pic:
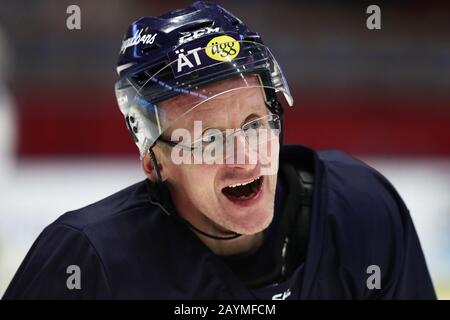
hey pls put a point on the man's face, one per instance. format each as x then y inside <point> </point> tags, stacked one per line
<point>203,193</point>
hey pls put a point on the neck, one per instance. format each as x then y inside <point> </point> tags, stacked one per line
<point>239,245</point>
<point>242,244</point>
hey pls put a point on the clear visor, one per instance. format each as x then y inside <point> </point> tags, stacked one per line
<point>224,85</point>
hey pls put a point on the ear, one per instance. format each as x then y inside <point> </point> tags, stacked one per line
<point>149,170</point>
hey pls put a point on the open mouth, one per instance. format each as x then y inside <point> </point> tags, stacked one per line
<point>243,191</point>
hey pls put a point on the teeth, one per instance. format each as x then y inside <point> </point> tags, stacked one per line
<point>242,184</point>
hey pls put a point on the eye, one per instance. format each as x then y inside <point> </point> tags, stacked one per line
<point>209,139</point>
<point>256,124</point>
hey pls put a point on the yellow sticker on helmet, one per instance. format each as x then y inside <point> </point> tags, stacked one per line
<point>223,48</point>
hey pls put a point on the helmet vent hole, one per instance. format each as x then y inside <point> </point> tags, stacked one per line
<point>195,26</point>
<point>147,50</point>
<point>141,78</point>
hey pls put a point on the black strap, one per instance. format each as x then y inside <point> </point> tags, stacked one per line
<point>291,240</point>
<point>159,195</point>
<point>297,248</point>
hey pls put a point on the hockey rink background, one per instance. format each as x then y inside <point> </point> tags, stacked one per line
<point>382,96</point>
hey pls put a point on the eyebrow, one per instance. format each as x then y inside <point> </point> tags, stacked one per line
<point>255,113</point>
<point>249,118</point>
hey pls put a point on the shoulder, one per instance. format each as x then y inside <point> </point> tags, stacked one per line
<point>353,183</point>
<point>58,252</point>
<point>360,202</point>
<point>345,177</point>
<point>357,202</point>
<point>366,219</point>
<point>122,205</point>
<point>101,239</point>
<point>126,218</point>
<point>123,220</point>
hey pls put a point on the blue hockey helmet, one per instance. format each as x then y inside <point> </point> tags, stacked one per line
<point>182,51</point>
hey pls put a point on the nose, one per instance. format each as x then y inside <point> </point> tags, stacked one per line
<point>239,151</point>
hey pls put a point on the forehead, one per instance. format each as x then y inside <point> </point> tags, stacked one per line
<point>236,95</point>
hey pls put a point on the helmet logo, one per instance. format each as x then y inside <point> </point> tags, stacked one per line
<point>222,48</point>
<point>183,60</point>
<point>133,41</point>
<point>189,36</point>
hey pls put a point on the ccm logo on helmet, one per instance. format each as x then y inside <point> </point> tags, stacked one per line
<point>189,36</point>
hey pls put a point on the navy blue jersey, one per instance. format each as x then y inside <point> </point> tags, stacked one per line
<point>127,248</point>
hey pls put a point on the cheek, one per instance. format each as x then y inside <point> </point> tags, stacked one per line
<point>197,183</point>
<point>201,180</point>
<point>268,156</point>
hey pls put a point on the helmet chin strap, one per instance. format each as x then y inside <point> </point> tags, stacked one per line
<point>155,164</point>
<point>234,235</point>
<point>231,237</point>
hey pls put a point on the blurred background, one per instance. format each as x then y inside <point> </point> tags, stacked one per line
<point>381,95</point>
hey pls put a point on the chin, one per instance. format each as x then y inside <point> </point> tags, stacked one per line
<point>251,224</point>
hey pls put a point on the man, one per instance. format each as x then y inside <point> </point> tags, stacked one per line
<point>225,212</point>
